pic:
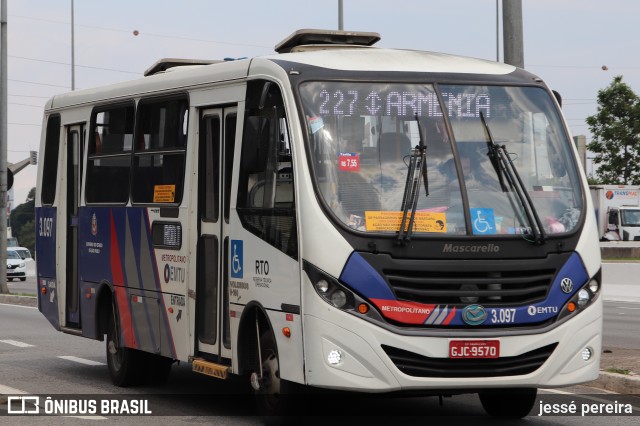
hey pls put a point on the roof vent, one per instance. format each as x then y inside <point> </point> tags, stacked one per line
<point>164,64</point>
<point>326,37</point>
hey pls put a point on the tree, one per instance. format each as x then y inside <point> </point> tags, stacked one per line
<point>21,216</point>
<point>616,131</point>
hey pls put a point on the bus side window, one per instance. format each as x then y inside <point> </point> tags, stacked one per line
<point>50,169</point>
<point>109,156</point>
<point>265,203</point>
<point>159,158</point>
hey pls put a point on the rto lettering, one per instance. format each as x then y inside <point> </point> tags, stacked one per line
<point>262,267</point>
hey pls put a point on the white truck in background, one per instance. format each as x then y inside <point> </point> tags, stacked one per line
<point>617,211</point>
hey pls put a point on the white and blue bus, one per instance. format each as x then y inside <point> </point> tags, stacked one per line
<point>334,215</point>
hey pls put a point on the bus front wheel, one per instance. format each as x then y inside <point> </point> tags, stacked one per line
<point>273,394</point>
<point>508,403</point>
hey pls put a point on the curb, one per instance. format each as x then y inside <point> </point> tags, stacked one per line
<point>620,383</point>
<point>11,299</point>
<point>619,252</point>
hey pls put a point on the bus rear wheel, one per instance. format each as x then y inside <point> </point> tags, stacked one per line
<point>508,403</point>
<point>124,364</point>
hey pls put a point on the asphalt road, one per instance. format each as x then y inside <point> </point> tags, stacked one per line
<point>621,325</point>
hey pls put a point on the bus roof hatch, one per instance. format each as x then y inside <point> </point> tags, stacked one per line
<point>165,63</point>
<point>326,37</point>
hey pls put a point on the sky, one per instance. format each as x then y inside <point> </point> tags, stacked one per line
<point>566,42</point>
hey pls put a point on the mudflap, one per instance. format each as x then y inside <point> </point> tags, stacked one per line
<point>48,301</point>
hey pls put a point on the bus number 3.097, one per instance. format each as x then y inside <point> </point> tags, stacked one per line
<point>46,226</point>
<point>502,316</point>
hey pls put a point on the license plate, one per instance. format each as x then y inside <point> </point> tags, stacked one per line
<point>474,349</point>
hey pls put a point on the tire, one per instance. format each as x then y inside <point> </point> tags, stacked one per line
<point>157,369</point>
<point>10,279</point>
<point>125,364</point>
<point>274,396</point>
<point>509,403</point>
<point>23,279</point>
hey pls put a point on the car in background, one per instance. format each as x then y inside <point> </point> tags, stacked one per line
<point>23,252</point>
<point>16,266</point>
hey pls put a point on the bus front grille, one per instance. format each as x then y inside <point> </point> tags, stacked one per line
<point>489,282</point>
<point>416,365</point>
<point>468,286</point>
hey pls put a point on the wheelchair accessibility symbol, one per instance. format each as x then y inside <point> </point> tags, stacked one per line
<point>236,259</point>
<point>483,221</point>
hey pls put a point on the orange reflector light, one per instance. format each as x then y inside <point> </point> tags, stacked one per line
<point>363,308</point>
<point>571,307</point>
<point>286,331</point>
<point>88,296</point>
<point>170,310</point>
<point>43,290</point>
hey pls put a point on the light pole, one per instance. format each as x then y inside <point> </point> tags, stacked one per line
<point>73,54</point>
<point>3,146</point>
<point>497,30</point>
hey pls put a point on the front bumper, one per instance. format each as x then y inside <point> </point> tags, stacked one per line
<point>365,366</point>
<point>17,272</point>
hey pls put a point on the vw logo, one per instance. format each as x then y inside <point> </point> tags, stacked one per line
<point>474,314</point>
<point>566,285</point>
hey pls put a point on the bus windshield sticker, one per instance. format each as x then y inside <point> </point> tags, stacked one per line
<point>164,193</point>
<point>390,221</point>
<point>349,161</point>
<point>316,123</point>
<point>483,221</point>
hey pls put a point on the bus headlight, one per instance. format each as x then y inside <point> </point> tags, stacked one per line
<point>322,286</point>
<point>583,297</point>
<point>329,288</point>
<point>338,298</point>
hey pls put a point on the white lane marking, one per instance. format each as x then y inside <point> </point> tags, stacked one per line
<point>16,343</point>
<point>81,360</point>
<point>18,306</point>
<point>626,307</point>
<point>6,390</point>
<point>88,417</point>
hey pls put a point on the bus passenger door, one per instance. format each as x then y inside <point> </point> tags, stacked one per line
<point>217,140</point>
<point>75,135</point>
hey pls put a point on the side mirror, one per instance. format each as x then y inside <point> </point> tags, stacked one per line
<point>558,97</point>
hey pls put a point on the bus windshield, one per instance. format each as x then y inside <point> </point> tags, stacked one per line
<point>361,137</point>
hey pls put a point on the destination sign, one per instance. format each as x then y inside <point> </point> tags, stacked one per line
<point>342,99</point>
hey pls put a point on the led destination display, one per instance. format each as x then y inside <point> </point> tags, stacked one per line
<point>398,101</point>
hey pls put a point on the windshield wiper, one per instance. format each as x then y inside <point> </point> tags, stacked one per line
<point>501,161</point>
<point>417,168</point>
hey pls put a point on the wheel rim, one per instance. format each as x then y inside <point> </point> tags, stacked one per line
<point>115,353</point>
<point>270,378</point>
